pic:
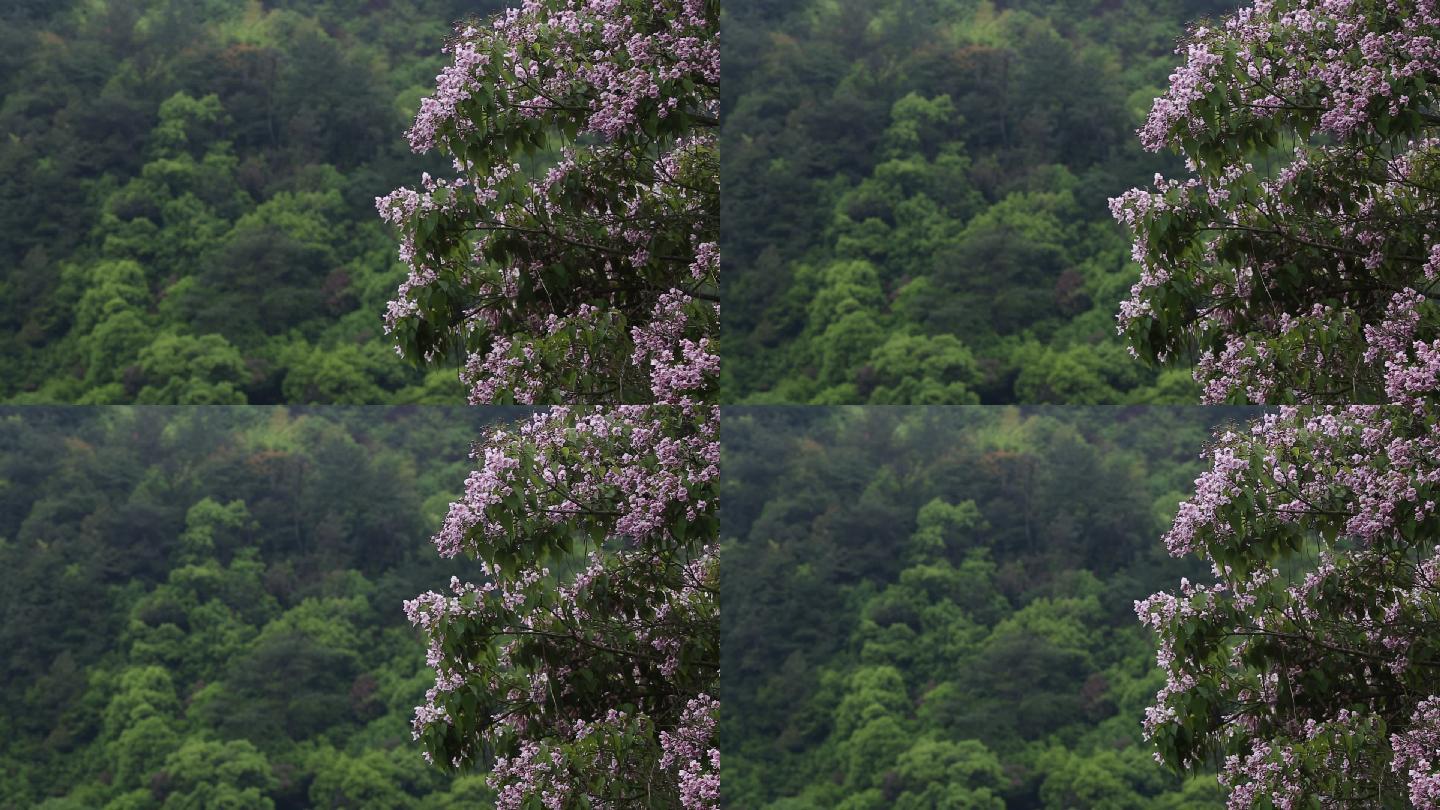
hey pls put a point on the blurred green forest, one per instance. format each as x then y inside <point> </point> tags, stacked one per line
<point>187,197</point>
<point>933,607</point>
<point>201,607</point>
<point>915,198</point>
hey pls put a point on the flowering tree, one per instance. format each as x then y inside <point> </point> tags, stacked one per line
<point>574,255</point>
<point>1311,667</point>
<point>1299,259</point>
<point>581,670</point>
<point>573,259</point>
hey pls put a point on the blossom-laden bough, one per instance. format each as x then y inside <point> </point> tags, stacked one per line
<point>1298,264</point>
<point>1298,261</point>
<point>582,670</point>
<point>1310,669</point>
<point>573,259</point>
<point>574,255</point>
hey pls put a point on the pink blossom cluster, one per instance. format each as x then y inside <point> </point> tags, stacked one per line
<point>1417,754</point>
<point>638,495</point>
<point>1190,83</point>
<point>627,84</point>
<point>511,368</point>
<point>1247,317</point>
<point>1412,378</point>
<point>1393,336</point>
<point>1301,54</point>
<point>452,86</point>
<point>396,207</point>
<point>1214,490</point>
<point>1280,774</point>
<point>1240,365</point>
<point>615,91</point>
<point>534,771</point>
<point>707,261</point>
<point>500,369</point>
<point>691,750</point>
<point>679,366</point>
<point>1412,364</point>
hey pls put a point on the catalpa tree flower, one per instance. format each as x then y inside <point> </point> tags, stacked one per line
<point>1310,667</point>
<point>582,669</point>
<point>574,255</point>
<point>1298,259</point>
<point>1297,263</point>
<point>573,259</point>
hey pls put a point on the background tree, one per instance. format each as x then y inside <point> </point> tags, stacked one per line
<point>933,607</point>
<point>961,150</point>
<point>206,170</point>
<point>226,631</point>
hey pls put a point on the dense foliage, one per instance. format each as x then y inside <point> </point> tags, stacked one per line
<point>186,197</point>
<point>915,198</point>
<point>202,607</point>
<point>932,607</point>
<point>584,664</point>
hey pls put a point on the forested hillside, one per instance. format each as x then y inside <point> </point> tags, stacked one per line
<point>934,607</point>
<point>187,192</point>
<point>915,197</point>
<point>203,607</point>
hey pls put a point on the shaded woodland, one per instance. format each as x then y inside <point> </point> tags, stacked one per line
<point>202,606</point>
<point>933,607</point>
<point>915,206</point>
<point>187,197</point>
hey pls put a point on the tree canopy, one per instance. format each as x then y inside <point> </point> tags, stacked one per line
<point>574,256</point>
<point>915,198</point>
<point>1297,260</point>
<point>202,606</point>
<point>931,607</point>
<point>1294,262</point>
<point>581,670</point>
<point>185,198</point>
